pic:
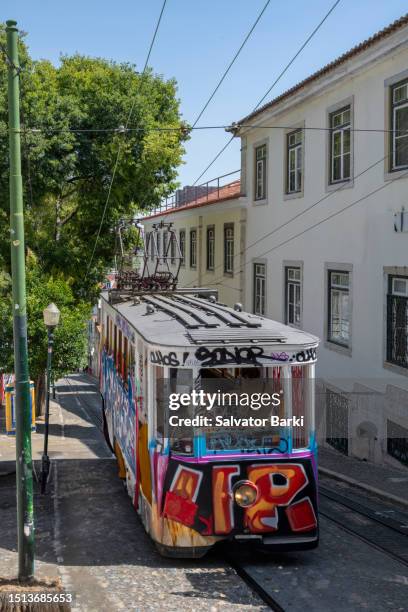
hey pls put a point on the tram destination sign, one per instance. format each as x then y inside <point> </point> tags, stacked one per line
<point>230,356</point>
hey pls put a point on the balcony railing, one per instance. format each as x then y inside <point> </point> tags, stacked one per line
<point>214,189</point>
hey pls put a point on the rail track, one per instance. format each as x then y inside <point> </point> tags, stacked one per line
<point>387,534</point>
<point>366,521</point>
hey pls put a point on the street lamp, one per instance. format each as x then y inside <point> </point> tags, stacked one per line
<point>51,319</point>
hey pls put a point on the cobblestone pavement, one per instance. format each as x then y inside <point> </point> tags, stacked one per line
<point>390,482</point>
<point>88,532</point>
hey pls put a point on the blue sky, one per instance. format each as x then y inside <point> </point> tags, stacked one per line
<point>196,41</point>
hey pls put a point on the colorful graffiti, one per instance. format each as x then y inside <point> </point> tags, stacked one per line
<point>286,500</point>
<point>120,407</point>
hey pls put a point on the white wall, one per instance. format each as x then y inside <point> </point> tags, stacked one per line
<point>230,287</point>
<point>362,236</point>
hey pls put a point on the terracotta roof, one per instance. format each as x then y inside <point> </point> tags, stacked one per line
<point>369,42</point>
<point>227,192</point>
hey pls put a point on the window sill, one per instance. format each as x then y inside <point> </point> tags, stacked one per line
<point>392,367</point>
<point>294,195</point>
<point>260,202</point>
<point>338,348</point>
<point>340,185</point>
<point>228,274</point>
<point>391,175</point>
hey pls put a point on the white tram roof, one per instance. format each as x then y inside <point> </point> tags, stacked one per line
<point>189,321</point>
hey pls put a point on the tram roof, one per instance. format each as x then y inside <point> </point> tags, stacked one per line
<point>186,320</point>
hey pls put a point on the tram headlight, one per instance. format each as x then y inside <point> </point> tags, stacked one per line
<point>245,493</point>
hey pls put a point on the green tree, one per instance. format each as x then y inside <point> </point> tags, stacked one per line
<point>70,340</point>
<point>68,165</point>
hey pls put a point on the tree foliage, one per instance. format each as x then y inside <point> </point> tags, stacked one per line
<point>72,139</point>
<point>78,109</point>
<point>70,335</point>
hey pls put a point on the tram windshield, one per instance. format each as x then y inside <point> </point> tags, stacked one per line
<point>235,410</point>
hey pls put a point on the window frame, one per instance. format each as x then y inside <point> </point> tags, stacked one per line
<point>228,256</point>
<point>289,149</point>
<point>193,252</point>
<point>395,106</point>
<point>182,244</point>
<point>210,253</point>
<point>342,128</point>
<point>262,163</point>
<point>172,248</point>
<point>341,290</point>
<point>295,283</point>
<point>391,276</point>
<point>262,277</point>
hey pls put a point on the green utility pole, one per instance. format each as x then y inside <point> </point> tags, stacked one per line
<point>25,514</point>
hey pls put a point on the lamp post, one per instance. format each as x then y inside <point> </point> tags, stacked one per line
<point>51,319</point>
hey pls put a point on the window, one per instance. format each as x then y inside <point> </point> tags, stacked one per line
<point>182,237</point>
<point>165,242</point>
<point>172,247</point>
<point>210,247</point>
<point>259,288</point>
<point>152,239</point>
<point>397,321</point>
<point>158,243</point>
<point>125,367</point>
<point>399,125</point>
<point>293,287</point>
<point>260,172</point>
<point>294,157</point>
<point>228,249</point>
<point>340,145</point>
<point>339,307</point>
<point>193,248</point>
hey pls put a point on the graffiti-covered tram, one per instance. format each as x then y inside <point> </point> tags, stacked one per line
<point>247,484</point>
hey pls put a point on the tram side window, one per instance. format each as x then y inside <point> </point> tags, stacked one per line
<point>115,344</point>
<point>119,356</point>
<point>181,381</point>
<point>107,339</point>
<point>125,359</point>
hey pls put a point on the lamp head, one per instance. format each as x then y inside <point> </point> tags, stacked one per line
<point>51,315</point>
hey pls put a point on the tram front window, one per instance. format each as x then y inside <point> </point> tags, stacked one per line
<point>236,416</point>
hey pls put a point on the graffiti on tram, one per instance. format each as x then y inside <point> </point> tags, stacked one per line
<point>286,499</point>
<point>121,404</point>
<point>222,356</point>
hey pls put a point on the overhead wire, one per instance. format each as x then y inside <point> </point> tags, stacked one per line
<point>121,143</point>
<point>283,72</point>
<point>334,214</point>
<point>306,210</point>
<point>200,114</point>
<point>331,216</point>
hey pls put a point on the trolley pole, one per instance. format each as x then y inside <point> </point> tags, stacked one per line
<point>24,476</point>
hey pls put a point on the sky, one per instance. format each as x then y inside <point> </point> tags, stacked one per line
<point>196,41</point>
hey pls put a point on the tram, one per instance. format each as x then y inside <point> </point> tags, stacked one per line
<point>248,484</point>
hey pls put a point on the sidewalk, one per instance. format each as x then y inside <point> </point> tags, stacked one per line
<point>387,482</point>
<point>88,533</point>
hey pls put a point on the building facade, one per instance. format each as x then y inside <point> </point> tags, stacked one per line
<point>211,234</point>
<point>325,179</point>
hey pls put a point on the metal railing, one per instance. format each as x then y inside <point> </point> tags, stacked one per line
<point>196,193</point>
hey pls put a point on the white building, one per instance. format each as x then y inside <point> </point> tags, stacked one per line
<point>325,177</point>
<point>211,234</point>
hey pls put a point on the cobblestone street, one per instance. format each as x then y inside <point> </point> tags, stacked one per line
<point>89,533</point>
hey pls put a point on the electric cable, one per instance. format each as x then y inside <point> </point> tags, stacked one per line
<point>200,114</point>
<point>121,143</point>
<point>286,68</point>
